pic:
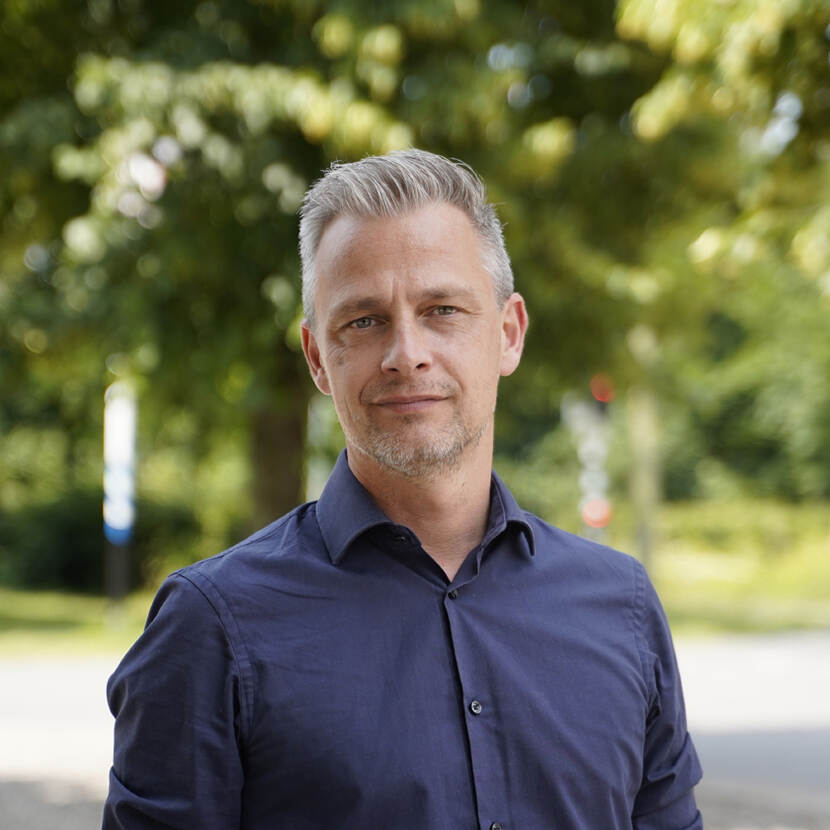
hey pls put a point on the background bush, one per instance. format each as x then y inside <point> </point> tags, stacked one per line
<point>60,543</point>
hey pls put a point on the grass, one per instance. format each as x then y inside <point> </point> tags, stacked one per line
<point>705,592</point>
<point>46,623</point>
<point>743,565</point>
<point>719,567</point>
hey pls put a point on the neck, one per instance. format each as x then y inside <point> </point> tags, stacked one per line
<point>447,510</point>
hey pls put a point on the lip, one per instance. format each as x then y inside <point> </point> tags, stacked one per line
<point>408,403</point>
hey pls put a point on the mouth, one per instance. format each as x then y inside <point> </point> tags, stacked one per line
<point>405,404</point>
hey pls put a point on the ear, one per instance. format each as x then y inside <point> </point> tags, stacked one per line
<point>311,350</point>
<point>513,327</point>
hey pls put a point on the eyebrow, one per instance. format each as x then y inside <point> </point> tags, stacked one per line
<point>450,293</point>
<point>353,306</point>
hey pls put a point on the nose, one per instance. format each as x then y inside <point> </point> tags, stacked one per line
<point>407,349</point>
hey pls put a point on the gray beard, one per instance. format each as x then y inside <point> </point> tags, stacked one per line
<point>425,461</point>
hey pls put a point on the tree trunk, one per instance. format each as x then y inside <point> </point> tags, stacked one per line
<point>278,432</point>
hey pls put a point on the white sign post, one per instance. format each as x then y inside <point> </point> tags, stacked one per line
<point>119,484</point>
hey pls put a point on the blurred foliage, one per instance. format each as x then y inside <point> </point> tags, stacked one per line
<point>60,543</point>
<point>662,166</point>
<point>744,565</point>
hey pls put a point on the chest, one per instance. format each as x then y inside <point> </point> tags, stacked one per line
<point>456,710</point>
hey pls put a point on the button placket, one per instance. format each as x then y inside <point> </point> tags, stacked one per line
<point>488,781</point>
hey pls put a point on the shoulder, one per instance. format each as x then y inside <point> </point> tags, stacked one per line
<point>293,535</point>
<point>217,592</point>
<point>614,581</point>
<point>603,587</point>
<point>556,548</point>
<point>202,615</point>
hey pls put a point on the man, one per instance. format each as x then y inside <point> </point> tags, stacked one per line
<point>413,649</point>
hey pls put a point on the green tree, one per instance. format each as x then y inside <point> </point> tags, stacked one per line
<point>661,168</point>
<point>181,149</point>
<point>749,380</point>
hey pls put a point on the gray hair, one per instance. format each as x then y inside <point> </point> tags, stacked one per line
<point>394,184</point>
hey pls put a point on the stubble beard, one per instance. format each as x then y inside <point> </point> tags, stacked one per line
<point>418,457</point>
<point>422,460</point>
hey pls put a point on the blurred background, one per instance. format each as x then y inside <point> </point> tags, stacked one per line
<point>663,171</point>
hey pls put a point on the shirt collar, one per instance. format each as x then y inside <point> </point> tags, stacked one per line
<point>346,510</point>
<point>513,514</point>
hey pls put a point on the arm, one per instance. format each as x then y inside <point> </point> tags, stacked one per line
<point>177,702</point>
<point>670,765</point>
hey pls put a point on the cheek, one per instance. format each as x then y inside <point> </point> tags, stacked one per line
<point>353,354</point>
<point>486,372</point>
<point>337,355</point>
<point>347,373</point>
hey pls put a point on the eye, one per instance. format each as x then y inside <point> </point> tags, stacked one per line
<point>361,323</point>
<point>444,310</point>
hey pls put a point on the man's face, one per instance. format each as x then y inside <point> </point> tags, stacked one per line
<point>409,339</point>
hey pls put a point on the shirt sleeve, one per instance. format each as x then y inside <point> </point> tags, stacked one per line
<point>670,764</point>
<point>177,701</point>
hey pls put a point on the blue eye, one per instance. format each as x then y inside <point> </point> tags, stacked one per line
<point>444,310</point>
<point>361,323</point>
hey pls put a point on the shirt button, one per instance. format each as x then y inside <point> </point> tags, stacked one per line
<point>399,539</point>
<point>453,594</point>
<point>495,826</point>
<point>476,707</point>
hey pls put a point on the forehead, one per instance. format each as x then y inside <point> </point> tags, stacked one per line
<point>419,250</point>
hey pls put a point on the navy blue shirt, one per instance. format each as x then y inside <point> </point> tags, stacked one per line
<point>325,674</point>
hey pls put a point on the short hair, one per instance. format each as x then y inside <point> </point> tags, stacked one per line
<point>392,185</point>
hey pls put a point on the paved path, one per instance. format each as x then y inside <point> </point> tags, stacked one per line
<point>55,742</point>
<point>759,710</point>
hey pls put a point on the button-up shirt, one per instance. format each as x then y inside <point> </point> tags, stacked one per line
<point>325,673</point>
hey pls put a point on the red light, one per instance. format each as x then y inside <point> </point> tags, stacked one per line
<point>596,513</point>
<point>602,388</point>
